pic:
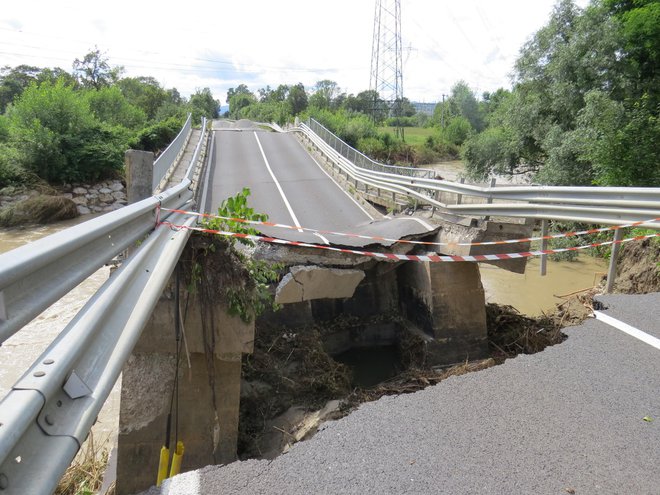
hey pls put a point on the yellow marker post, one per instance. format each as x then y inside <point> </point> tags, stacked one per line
<point>162,465</point>
<point>176,459</point>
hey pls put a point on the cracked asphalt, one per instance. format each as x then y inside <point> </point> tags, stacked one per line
<point>567,420</point>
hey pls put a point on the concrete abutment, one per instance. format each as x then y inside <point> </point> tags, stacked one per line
<point>209,376</point>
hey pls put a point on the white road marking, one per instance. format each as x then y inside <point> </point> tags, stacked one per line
<point>325,241</point>
<point>630,330</point>
<point>340,188</point>
<point>279,188</point>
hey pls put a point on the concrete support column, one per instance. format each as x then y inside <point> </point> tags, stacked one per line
<point>139,174</point>
<point>447,301</point>
<point>208,395</point>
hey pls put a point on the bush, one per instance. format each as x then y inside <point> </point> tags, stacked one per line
<point>402,121</point>
<point>96,153</point>
<point>11,172</point>
<point>458,130</point>
<point>158,136</point>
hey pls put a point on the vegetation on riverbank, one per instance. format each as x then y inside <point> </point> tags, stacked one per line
<point>60,127</point>
<point>584,108</point>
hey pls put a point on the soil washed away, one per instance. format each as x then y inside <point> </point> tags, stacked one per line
<point>371,365</point>
<point>290,381</point>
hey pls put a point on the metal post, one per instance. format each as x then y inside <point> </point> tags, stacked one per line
<point>490,200</point>
<point>544,246</point>
<point>614,254</point>
<point>459,197</point>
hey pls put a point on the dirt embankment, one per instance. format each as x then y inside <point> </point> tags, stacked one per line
<point>638,269</point>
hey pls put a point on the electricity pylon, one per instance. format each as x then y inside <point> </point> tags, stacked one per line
<point>386,78</point>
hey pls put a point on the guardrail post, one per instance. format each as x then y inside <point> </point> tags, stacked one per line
<point>614,254</point>
<point>459,197</point>
<point>139,174</point>
<point>490,199</point>
<point>544,246</point>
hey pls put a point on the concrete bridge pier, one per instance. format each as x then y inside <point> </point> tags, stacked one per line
<point>447,302</point>
<point>208,397</point>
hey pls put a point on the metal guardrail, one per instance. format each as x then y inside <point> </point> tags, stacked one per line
<point>168,157</point>
<point>360,159</point>
<point>606,205</point>
<point>47,415</point>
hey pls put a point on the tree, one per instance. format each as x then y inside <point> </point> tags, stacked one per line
<point>58,138</point>
<point>145,93</point>
<point>13,82</point>
<point>580,98</point>
<point>109,105</point>
<point>238,99</point>
<point>202,103</point>
<point>462,102</point>
<point>94,71</point>
<point>240,89</point>
<point>620,142</point>
<point>323,94</point>
<point>297,99</point>
<point>640,30</point>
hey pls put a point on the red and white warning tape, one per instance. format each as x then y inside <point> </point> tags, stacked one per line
<point>423,243</point>
<point>433,258</point>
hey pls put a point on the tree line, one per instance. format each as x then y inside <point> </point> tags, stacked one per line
<point>60,126</point>
<point>583,110</point>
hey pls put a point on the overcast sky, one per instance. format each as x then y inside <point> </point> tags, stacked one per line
<point>223,43</point>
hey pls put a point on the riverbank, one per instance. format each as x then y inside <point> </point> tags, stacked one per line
<point>45,204</point>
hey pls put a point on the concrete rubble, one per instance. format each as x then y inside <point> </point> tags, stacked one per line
<point>304,283</point>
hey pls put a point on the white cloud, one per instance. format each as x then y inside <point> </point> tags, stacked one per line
<point>260,42</point>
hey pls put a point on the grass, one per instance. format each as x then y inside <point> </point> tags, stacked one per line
<point>85,474</point>
<point>413,135</point>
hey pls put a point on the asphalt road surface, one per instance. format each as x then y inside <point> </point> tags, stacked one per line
<point>570,419</point>
<point>289,186</point>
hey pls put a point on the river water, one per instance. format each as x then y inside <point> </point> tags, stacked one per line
<point>19,351</point>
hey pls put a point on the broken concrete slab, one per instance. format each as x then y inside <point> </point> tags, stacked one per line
<point>304,283</point>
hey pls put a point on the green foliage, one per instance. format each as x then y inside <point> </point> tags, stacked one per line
<point>202,104</point>
<point>94,71</point>
<point>457,130</point>
<point>146,93</point>
<point>324,94</point>
<point>245,302</point>
<point>620,142</point>
<point>62,128</point>
<point>237,207</point>
<point>13,81</point>
<point>238,99</point>
<point>57,136</point>
<point>297,99</point>
<point>585,106</point>
<point>157,136</point>
<point>490,152</point>
<point>462,103</point>
<point>11,172</point>
<point>109,105</point>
